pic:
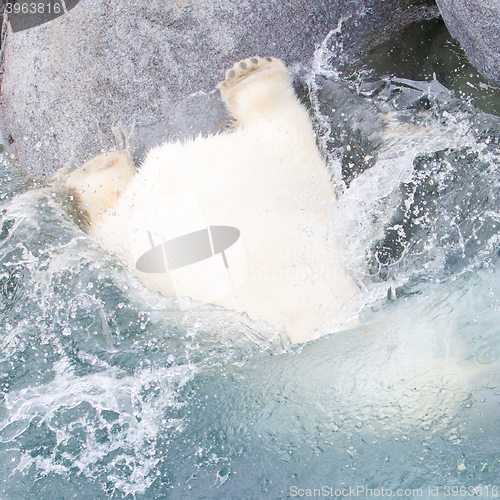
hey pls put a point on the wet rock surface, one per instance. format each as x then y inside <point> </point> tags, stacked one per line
<point>67,83</point>
<point>476,25</point>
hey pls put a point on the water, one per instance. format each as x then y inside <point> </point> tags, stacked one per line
<point>111,391</point>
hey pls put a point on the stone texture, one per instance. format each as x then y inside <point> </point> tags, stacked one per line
<point>154,64</point>
<point>476,26</point>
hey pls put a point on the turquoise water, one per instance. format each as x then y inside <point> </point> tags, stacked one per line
<point>111,391</point>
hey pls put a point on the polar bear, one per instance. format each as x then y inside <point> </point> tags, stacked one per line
<point>238,218</point>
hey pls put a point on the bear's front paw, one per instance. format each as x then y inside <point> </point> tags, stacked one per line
<point>257,88</point>
<point>247,67</point>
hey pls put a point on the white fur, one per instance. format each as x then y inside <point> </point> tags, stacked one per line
<point>264,177</point>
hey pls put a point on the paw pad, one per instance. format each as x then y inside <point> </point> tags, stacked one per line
<point>243,69</point>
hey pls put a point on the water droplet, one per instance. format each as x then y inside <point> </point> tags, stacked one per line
<point>487,356</point>
<point>223,474</point>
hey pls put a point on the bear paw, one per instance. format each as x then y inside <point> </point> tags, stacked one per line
<point>243,69</point>
<point>257,88</point>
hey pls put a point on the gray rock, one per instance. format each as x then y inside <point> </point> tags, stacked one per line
<point>476,26</point>
<point>155,64</point>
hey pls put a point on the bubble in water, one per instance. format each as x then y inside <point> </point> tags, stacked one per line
<point>223,475</point>
<point>487,355</point>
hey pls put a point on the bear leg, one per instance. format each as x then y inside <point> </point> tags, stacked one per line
<point>98,184</point>
<point>258,88</point>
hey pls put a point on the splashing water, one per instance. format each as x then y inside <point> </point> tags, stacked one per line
<point>109,390</point>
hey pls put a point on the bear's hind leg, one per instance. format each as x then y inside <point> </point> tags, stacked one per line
<point>98,184</point>
<point>257,88</point>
